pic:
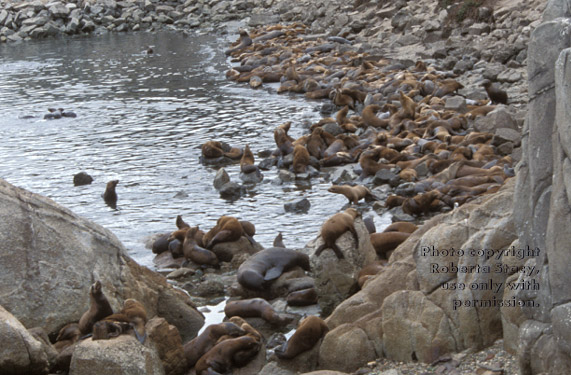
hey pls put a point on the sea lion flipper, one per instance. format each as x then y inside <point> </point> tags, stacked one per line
<point>250,238</point>
<point>320,249</point>
<point>337,251</point>
<point>273,273</point>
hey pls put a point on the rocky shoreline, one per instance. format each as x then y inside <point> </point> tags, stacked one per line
<point>405,33</point>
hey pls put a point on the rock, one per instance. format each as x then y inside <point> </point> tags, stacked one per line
<point>510,76</point>
<point>221,178</point>
<point>252,178</point>
<point>335,279</point>
<point>65,241</point>
<point>346,348</point>
<point>344,173</point>
<point>225,251</point>
<point>59,11</point>
<point>169,345</point>
<point>498,118</point>
<point>82,178</point>
<point>231,191</point>
<point>21,353</point>
<point>120,355</point>
<point>384,176</point>
<point>506,135</point>
<point>286,176</point>
<point>456,103</point>
<point>299,207</point>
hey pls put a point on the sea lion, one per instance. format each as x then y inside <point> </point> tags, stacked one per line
<point>394,201</point>
<point>495,94</point>
<point>225,354</point>
<point>279,241</point>
<point>369,271</point>
<point>110,195</point>
<point>192,251</point>
<point>387,241</point>
<point>99,308</point>
<point>161,244</point>
<point>67,335</point>
<point>180,223</point>
<point>304,297</point>
<point>247,161</point>
<point>423,203</point>
<point>244,42</point>
<point>401,226</point>
<point>300,159</point>
<point>201,344</point>
<point>256,308</point>
<point>283,142</point>
<point>353,193</point>
<point>227,229</point>
<point>133,313</point>
<point>370,118</point>
<point>334,227</point>
<point>307,334</point>
<point>267,265</point>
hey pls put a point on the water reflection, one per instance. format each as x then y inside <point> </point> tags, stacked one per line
<point>141,120</point>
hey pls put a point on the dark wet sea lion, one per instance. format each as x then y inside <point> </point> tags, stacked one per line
<point>495,94</point>
<point>267,265</point>
<point>247,161</point>
<point>198,346</point>
<point>99,308</point>
<point>307,334</point>
<point>67,335</point>
<point>193,252</point>
<point>279,241</point>
<point>110,195</point>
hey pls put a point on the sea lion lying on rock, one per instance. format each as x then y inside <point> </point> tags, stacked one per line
<point>267,265</point>
<point>334,227</point>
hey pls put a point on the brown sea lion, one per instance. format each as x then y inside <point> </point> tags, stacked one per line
<point>284,144</point>
<point>334,227</point>
<point>353,193</point>
<point>394,201</point>
<point>495,94</point>
<point>304,297</point>
<point>247,161</point>
<point>201,344</point>
<point>423,203</point>
<point>401,226</point>
<point>387,241</point>
<point>370,118</point>
<point>67,335</point>
<point>133,314</point>
<point>307,334</point>
<point>110,195</point>
<point>300,159</point>
<point>224,355</point>
<point>212,149</point>
<point>227,229</point>
<point>369,271</point>
<point>267,265</point>
<point>256,308</point>
<point>193,252</point>
<point>99,308</point>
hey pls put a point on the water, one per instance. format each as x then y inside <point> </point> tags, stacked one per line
<point>141,119</point>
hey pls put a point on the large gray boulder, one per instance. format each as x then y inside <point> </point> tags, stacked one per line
<point>123,355</point>
<point>50,258</point>
<point>20,352</point>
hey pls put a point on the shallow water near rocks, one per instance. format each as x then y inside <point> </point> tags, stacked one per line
<point>141,119</point>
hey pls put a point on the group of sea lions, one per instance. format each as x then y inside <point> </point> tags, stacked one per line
<point>100,323</point>
<point>399,121</point>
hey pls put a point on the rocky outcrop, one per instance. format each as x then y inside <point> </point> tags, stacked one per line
<point>414,311</point>
<point>121,355</point>
<point>52,256</point>
<point>336,279</point>
<point>20,352</point>
<point>544,182</point>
